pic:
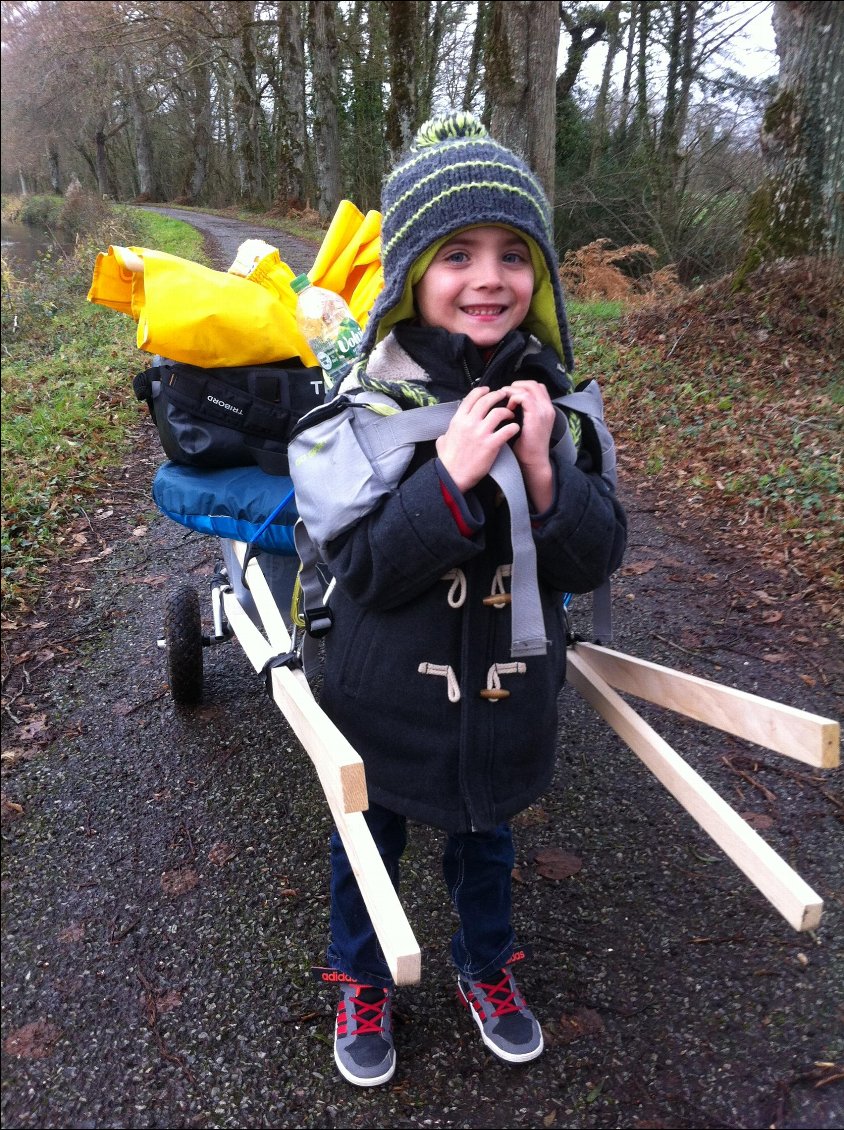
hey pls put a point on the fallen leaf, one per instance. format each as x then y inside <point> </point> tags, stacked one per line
<point>776,657</point>
<point>35,730</point>
<point>553,863</point>
<point>758,820</point>
<point>75,932</point>
<point>10,809</point>
<point>178,881</point>
<point>808,680</point>
<point>167,1001</point>
<point>32,1041</point>
<point>575,1025</point>
<point>636,568</point>
<point>530,817</point>
<point>18,753</point>
<point>772,617</point>
<point>221,853</point>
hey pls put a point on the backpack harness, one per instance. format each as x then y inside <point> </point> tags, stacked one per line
<point>347,455</point>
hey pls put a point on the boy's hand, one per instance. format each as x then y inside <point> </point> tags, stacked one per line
<point>478,430</point>
<point>532,403</point>
<point>537,415</point>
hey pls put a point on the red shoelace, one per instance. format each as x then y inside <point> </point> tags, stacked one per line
<point>500,995</point>
<point>368,1015</point>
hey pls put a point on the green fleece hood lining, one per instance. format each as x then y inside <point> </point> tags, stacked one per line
<point>541,318</point>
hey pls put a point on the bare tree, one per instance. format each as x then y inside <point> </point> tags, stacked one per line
<point>520,66</point>
<point>322,29</point>
<point>473,84</point>
<point>290,95</point>
<point>404,24</point>
<point>241,73</point>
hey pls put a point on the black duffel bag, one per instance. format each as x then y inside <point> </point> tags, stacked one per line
<point>229,417</point>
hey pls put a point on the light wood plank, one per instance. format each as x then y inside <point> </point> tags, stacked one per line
<point>785,890</point>
<point>398,943</point>
<point>783,729</point>
<point>338,766</point>
<point>337,763</point>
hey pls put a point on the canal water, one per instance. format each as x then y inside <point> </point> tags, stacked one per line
<point>23,245</point>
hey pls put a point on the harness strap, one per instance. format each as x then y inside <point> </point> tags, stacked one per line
<point>385,433</point>
<point>381,434</point>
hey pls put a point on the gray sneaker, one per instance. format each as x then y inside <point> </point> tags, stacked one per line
<point>363,1035</point>
<point>507,1026</point>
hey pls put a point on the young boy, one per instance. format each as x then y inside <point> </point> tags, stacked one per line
<point>418,668</point>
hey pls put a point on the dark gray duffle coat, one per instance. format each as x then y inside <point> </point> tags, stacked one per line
<point>415,649</point>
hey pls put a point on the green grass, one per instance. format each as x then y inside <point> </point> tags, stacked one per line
<point>67,400</point>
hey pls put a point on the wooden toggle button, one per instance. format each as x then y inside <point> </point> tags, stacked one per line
<point>502,598</point>
<point>495,694</point>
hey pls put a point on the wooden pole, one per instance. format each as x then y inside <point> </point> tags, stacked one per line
<point>784,889</point>
<point>338,765</point>
<point>783,729</point>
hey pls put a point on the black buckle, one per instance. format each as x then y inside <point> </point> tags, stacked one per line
<point>318,621</point>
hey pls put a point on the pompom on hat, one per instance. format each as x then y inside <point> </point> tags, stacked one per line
<point>454,177</point>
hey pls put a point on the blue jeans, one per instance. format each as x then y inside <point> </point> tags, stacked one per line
<point>477,868</point>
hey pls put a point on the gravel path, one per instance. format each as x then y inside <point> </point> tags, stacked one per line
<point>223,236</point>
<point>165,875</point>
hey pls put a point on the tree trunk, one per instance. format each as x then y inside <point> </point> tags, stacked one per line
<point>405,47</point>
<point>521,62</point>
<point>681,71</point>
<point>627,81</point>
<point>643,129</point>
<point>144,160</point>
<point>102,164</point>
<point>202,129</point>
<point>325,63</point>
<point>478,41</point>
<point>365,159</point>
<point>585,29</point>
<point>53,160</point>
<point>798,209</point>
<point>600,133</point>
<point>245,106</point>
<point>291,106</point>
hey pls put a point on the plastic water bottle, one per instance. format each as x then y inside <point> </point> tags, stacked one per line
<point>326,323</point>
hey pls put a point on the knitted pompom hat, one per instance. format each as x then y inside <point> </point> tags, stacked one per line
<point>456,176</point>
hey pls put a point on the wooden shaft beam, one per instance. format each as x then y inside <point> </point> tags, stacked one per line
<point>338,765</point>
<point>783,887</point>
<point>783,729</point>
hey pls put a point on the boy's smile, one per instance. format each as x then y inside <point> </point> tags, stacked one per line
<point>479,283</point>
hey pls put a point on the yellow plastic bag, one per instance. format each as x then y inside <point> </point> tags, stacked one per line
<point>200,316</point>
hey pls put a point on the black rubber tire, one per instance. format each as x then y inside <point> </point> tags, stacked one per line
<point>183,633</point>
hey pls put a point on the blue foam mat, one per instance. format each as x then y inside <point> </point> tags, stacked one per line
<point>230,502</point>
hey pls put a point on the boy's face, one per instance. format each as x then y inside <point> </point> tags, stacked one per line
<point>479,283</point>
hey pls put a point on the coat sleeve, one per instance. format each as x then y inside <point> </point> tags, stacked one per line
<point>582,541</point>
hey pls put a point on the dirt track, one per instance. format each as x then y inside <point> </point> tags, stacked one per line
<point>165,881</point>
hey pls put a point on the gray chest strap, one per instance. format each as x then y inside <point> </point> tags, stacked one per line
<point>415,425</point>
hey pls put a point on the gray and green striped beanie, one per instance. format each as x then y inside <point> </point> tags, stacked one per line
<point>456,176</point>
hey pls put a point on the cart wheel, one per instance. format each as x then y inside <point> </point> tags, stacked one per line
<point>183,633</point>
